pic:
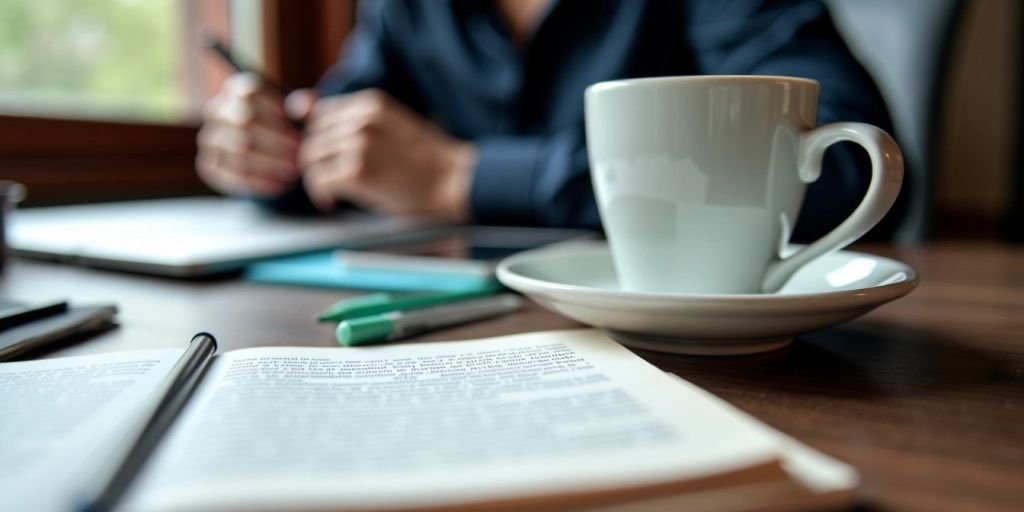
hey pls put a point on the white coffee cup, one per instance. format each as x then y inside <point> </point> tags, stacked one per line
<point>699,179</point>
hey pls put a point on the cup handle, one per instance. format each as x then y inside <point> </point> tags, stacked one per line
<point>886,178</point>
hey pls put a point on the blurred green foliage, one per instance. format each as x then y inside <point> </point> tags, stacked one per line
<point>110,58</point>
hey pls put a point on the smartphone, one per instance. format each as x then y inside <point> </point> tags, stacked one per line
<point>472,251</point>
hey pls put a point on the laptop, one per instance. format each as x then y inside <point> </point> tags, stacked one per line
<point>189,237</point>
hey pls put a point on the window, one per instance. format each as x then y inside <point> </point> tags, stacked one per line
<point>116,59</point>
<point>99,99</point>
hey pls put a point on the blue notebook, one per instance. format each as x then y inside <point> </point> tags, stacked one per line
<point>322,270</point>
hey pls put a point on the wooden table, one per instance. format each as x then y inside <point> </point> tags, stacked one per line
<point>925,396</point>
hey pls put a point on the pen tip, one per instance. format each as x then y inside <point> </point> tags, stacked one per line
<point>206,38</point>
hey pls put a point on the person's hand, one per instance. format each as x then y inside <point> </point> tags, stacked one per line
<point>248,145</point>
<point>369,149</point>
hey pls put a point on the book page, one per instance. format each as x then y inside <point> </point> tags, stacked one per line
<point>438,424</point>
<point>59,415</point>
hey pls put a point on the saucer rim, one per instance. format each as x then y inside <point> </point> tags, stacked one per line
<point>840,298</point>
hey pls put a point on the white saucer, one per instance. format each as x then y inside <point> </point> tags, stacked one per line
<point>578,280</point>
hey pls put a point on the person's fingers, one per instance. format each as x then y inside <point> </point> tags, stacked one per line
<point>282,144</point>
<point>299,104</point>
<point>246,144</point>
<point>328,112</point>
<point>315,148</point>
<point>242,101</point>
<point>259,165</point>
<point>257,110</point>
<point>255,139</point>
<point>327,145</point>
<point>241,83</point>
<point>208,158</point>
<point>248,86</point>
<point>213,108</point>
<point>232,151</point>
<point>227,164</point>
<point>353,124</point>
<point>340,176</point>
<point>206,167</point>
<point>212,171</point>
<point>226,176</point>
<point>356,111</point>
<point>320,184</point>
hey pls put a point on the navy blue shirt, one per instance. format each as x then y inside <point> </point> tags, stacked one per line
<point>522,105</point>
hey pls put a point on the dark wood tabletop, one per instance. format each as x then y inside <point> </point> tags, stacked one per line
<point>925,395</point>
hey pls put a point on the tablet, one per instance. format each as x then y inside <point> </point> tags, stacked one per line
<point>466,251</point>
<point>188,237</point>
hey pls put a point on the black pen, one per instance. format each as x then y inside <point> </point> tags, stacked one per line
<point>216,45</point>
<point>25,313</point>
<point>112,479</point>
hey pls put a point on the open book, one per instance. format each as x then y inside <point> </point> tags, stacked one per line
<point>554,420</point>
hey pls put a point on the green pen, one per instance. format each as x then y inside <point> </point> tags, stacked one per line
<point>400,324</point>
<point>377,303</point>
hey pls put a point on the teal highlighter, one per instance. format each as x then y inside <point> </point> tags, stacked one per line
<point>378,303</point>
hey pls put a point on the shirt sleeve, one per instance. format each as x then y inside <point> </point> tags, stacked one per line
<point>534,180</point>
<point>798,38</point>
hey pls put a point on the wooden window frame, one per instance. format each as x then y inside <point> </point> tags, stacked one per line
<point>315,29</point>
<point>68,160</point>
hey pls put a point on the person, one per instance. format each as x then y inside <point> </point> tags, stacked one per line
<point>472,110</point>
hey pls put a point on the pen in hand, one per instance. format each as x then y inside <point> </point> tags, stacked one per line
<point>213,43</point>
<point>216,45</point>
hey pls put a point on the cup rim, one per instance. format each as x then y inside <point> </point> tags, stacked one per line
<point>642,81</point>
